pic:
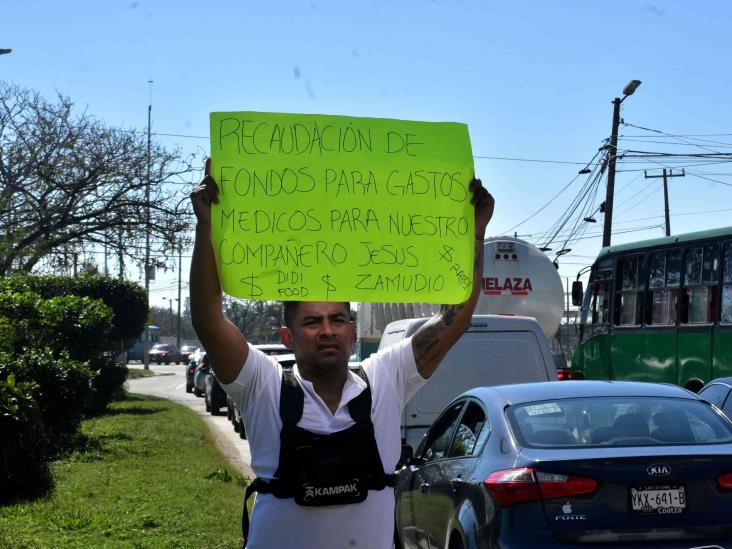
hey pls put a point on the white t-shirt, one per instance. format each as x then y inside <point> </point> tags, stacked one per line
<point>281,523</point>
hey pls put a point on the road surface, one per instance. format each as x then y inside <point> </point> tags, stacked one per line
<point>171,385</point>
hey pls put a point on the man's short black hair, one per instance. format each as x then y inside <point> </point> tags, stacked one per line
<point>290,311</point>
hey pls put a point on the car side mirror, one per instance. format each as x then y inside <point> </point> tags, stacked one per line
<point>577,293</point>
<point>405,457</point>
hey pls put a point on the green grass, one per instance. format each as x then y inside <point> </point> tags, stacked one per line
<point>134,373</point>
<point>148,476</point>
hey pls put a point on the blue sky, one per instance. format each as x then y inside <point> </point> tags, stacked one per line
<point>533,80</point>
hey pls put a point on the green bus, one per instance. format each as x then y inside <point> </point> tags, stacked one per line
<point>658,310</point>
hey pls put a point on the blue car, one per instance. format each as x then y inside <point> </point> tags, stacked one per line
<point>573,464</point>
<point>719,392</point>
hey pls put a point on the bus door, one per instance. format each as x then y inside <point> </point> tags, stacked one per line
<point>698,313</point>
<point>722,331</point>
<point>627,344</point>
<point>661,316</point>
<point>595,333</point>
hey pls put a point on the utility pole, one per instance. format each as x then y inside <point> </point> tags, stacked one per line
<point>612,156</point>
<point>665,192</point>
<point>145,355</point>
<point>106,269</point>
<point>567,300</point>
<point>180,256</point>
<point>120,253</point>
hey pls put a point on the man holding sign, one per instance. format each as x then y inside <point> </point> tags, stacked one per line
<point>324,440</point>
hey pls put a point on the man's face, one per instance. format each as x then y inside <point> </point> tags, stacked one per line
<point>321,335</point>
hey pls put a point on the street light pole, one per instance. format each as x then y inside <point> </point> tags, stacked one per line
<point>180,256</point>
<point>613,154</point>
<point>146,357</point>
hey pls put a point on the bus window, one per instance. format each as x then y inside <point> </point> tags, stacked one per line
<point>701,274</point>
<point>664,273</point>
<point>596,311</point>
<point>630,295</point>
<point>600,307</point>
<point>673,269</point>
<point>727,284</point>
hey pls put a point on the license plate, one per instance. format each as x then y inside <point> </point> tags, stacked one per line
<point>658,500</point>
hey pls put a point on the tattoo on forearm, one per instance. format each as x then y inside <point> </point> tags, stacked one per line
<point>428,350</point>
<point>426,340</point>
<point>424,343</point>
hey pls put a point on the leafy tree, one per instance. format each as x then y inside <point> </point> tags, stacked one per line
<point>70,184</point>
<point>168,322</point>
<point>260,321</point>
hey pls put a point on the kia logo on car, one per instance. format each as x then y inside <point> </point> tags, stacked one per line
<point>658,470</point>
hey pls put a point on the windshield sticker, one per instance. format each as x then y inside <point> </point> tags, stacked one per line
<point>543,409</point>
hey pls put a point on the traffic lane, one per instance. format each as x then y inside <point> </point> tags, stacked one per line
<point>170,384</point>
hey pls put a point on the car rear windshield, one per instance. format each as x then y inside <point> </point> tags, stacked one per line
<point>617,421</point>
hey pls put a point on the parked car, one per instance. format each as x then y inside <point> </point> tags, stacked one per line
<point>215,396</point>
<point>577,463</point>
<point>190,372</point>
<point>196,355</point>
<point>185,353</point>
<point>717,392</point>
<point>164,353</point>
<point>272,349</point>
<point>199,376</point>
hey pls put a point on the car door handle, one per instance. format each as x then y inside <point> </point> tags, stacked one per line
<point>457,483</point>
<point>424,487</point>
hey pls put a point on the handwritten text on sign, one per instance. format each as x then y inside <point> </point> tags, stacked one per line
<point>334,208</point>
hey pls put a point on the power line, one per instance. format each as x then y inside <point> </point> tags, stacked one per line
<point>669,135</point>
<point>529,160</point>
<point>709,179</point>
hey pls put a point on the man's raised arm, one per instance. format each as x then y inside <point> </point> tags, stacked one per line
<point>435,338</point>
<point>224,343</point>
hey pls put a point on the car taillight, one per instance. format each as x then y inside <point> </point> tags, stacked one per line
<point>512,486</point>
<point>725,480</point>
<point>564,374</point>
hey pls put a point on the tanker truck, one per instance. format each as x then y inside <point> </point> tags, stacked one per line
<point>520,307</point>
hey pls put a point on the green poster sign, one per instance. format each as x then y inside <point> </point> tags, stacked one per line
<point>336,208</point>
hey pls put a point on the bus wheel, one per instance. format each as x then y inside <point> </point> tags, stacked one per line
<point>694,385</point>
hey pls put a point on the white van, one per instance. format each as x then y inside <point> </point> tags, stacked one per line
<point>495,350</point>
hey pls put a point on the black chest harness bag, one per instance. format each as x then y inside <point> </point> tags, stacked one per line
<point>318,470</point>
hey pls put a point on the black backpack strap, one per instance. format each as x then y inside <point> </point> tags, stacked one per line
<point>292,398</point>
<point>360,407</point>
<point>257,485</point>
<point>360,410</point>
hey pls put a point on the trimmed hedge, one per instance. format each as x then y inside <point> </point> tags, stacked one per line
<point>24,466</point>
<point>126,299</point>
<point>66,314</point>
<point>77,326</point>
<point>61,391</point>
<point>58,340</point>
<point>7,335</point>
<point>80,326</point>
